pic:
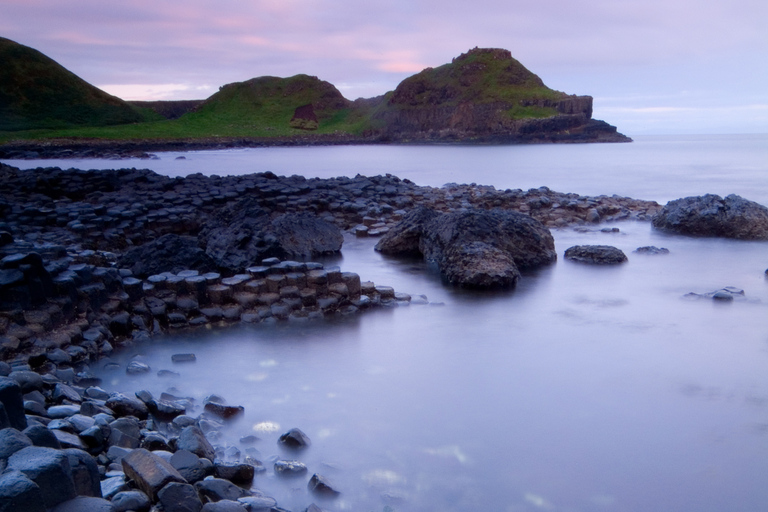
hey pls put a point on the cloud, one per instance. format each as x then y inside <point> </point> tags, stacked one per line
<point>156,92</point>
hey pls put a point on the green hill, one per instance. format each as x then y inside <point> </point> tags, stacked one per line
<point>36,92</point>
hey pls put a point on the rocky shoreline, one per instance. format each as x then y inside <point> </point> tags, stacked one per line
<point>69,298</point>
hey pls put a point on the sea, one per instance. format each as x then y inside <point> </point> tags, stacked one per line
<point>583,389</point>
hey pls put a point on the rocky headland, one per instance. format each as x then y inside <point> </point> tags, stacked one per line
<point>95,261</point>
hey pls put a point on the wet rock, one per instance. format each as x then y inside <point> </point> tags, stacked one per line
<point>258,502</point>
<point>13,403</point>
<point>85,473</point>
<point>241,474</point>
<point>595,254</point>
<point>320,485</point>
<point>179,497</point>
<point>294,439</point>
<point>19,493</point>
<point>123,405</point>
<point>712,215</point>
<point>49,469</point>
<point>217,489</point>
<point>137,368</point>
<point>224,506</point>
<point>226,412</point>
<point>149,472</point>
<point>135,501</point>
<point>41,435</point>
<point>169,253</point>
<point>190,466</point>
<point>85,504</point>
<point>652,250</point>
<point>290,468</point>
<point>193,440</point>
<point>11,441</point>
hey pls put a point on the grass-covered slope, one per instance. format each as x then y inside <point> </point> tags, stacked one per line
<point>36,92</point>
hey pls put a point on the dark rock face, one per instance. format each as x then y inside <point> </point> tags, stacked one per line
<point>711,215</point>
<point>473,248</point>
<point>596,254</point>
<point>243,234</point>
<point>169,253</point>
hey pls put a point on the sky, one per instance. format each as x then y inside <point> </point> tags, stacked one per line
<point>652,66</point>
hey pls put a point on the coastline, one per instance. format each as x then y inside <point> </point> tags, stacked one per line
<point>69,227</point>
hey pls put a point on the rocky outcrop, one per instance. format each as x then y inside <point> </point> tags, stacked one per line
<point>243,234</point>
<point>596,254</point>
<point>474,248</point>
<point>712,216</point>
<point>169,253</point>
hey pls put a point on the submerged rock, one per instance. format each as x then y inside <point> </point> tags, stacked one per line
<point>711,215</point>
<point>596,254</point>
<point>473,248</point>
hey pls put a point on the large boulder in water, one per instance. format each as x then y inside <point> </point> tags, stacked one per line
<point>169,253</point>
<point>473,248</point>
<point>596,254</point>
<point>711,215</point>
<point>243,234</point>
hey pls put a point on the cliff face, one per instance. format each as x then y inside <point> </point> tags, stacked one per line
<point>486,95</point>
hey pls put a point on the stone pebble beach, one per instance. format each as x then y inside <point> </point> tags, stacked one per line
<point>71,295</point>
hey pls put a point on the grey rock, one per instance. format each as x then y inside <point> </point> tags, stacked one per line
<point>135,501</point>
<point>295,439</point>
<point>258,502</point>
<point>85,473</point>
<point>123,405</point>
<point>193,440</point>
<point>150,472</point>
<point>320,485</point>
<point>224,506</point>
<point>241,474</point>
<point>179,497</point>
<point>713,216</point>
<point>40,435</point>
<point>190,466</point>
<point>596,254</point>
<point>49,469</point>
<point>651,250</point>
<point>169,253</point>
<point>217,489</point>
<point>85,504</point>
<point>290,468</point>
<point>19,493</point>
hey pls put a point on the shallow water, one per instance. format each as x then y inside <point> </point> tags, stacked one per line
<point>584,389</point>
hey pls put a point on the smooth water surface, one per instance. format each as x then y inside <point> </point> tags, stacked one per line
<point>584,389</point>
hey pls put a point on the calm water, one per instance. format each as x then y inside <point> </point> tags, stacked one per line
<point>584,389</point>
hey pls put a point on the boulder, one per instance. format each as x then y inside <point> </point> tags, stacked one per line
<point>169,253</point>
<point>320,485</point>
<point>473,248</point>
<point>190,466</point>
<point>712,216</point>
<point>179,497</point>
<point>136,501</point>
<point>242,234</point>
<point>217,489</point>
<point>294,439</point>
<point>49,469</point>
<point>11,441</point>
<point>193,440</point>
<point>596,254</point>
<point>150,472</point>
<point>85,473</point>
<point>17,492</point>
<point>85,504</point>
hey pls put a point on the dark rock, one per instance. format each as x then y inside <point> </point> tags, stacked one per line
<point>595,254</point>
<point>179,497</point>
<point>125,432</point>
<point>652,250</point>
<point>137,368</point>
<point>217,489</point>
<point>295,439</point>
<point>69,440</point>
<point>290,468</point>
<point>149,472</point>
<point>189,465</point>
<point>242,234</point>
<point>474,248</point>
<point>320,485</point>
<point>41,435</point>
<point>49,469</point>
<point>135,501</point>
<point>258,502</point>
<point>226,412</point>
<point>183,358</point>
<point>169,253</point>
<point>224,506</point>
<point>711,215</point>
<point>127,406</point>
<point>84,504</point>
<point>241,474</point>
<point>19,493</point>
<point>193,439</point>
<point>28,380</point>
<point>85,473</point>
<point>11,441</point>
